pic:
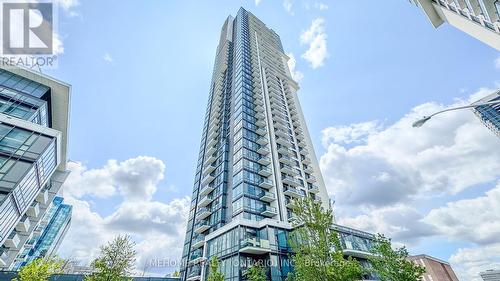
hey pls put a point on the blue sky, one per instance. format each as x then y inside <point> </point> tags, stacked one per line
<point>140,72</point>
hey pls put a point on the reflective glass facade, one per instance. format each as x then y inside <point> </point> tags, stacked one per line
<point>490,114</point>
<point>48,234</point>
<point>256,156</point>
<point>31,170</point>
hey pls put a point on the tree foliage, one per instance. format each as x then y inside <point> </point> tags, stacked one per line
<point>256,272</point>
<point>393,265</point>
<point>40,269</point>
<point>115,262</point>
<point>318,253</point>
<point>214,273</point>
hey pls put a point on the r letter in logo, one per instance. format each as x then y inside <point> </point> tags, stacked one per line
<point>27,28</point>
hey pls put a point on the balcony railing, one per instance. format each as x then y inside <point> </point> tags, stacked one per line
<point>479,19</point>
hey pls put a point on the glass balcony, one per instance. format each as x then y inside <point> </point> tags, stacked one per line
<point>281,133</point>
<point>267,197</point>
<point>210,159</point>
<point>311,179</point>
<point>13,240</point>
<point>206,189</point>
<point>283,142</point>
<point>266,183</point>
<point>201,227</point>
<point>299,136</point>
<point>255,246</point>
<point>265,172</point>
<point>298,130</point>
<point>285,159</point>
<point>215,118</point>
<point>261,131</point>
<point>264,160</point>
<point>34,210</point>
<point>208,169</point>
<point>203,213</point>
<point>263,150</point>
<point>213,128</point>
<point>288,169</point>
<point>284,150</point>
<point>306,160</point>
<point>196,256</point>
<point>213,135</point>
<point>259,108</point>
<point>260,122</point>
<point>262,141</point>
<point>258,101</point>
<point>23,225</point>
<point>301,144</point>
<point>198,242</point>
<point>43,196</point>
<point>260,115</point>
<point>212,142</point>
<point>313,188</point>
<point>211,150</point>
<point>292,192</point>
<point>207,179</point>
<point>194,273</point>
<point>4,256</point>
<point>308,169</point>
<point>280,118</point>
<point>290,181</point>
<point>205,200</point>
<point>269,211</point>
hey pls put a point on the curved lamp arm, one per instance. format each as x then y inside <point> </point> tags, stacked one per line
<point>424,119</point>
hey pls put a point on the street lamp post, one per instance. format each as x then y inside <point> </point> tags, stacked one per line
<point>424,119</point>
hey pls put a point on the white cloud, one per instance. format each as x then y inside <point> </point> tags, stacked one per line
<point>469,262</point>
<point>381,176</point>
<point>288,4</point>
<point>401,222</point>
<point>296,75</point>
<point>476,220</point>
<point>68,4</point>
<point>257,2</point>
<point>452,152</point>
<point>316,37</point>
<point>321,6</point>
<point>107,58</point>
<point>134,178</point>
<point>157,227</point>
<point>350,134</point>
<point>497,63</point>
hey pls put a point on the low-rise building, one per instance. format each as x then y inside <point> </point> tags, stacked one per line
<point>490,275</point>
<point>435,269</point>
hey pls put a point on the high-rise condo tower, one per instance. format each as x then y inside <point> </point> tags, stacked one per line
<point>34,111</point>
<point>255,157</point>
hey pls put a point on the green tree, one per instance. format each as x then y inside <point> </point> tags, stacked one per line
<point>176,274</point>
<point>318,253</point>
<point>115,262</point>
<point>256,272</point>
<point>214,274</point>
<point>40,269</point>
<point>393,265</point>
